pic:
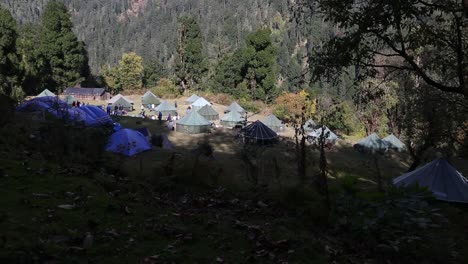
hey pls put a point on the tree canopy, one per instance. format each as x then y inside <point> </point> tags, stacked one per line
<point>427,38</point>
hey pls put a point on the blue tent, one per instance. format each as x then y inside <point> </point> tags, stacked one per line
<point>96,115</point>
<point>127,142</point>
<point>42,104</point>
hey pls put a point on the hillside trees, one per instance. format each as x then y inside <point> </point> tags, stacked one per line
<point>10,73</point>
<point>126,75</point>
<point>190,61</point>
<point>66,57</point>
<point>251,71</point>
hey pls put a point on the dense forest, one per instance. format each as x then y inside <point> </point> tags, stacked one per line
<point>149,28</point>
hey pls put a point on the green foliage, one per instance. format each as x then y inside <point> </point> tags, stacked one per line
<point>394,225</point>
<point>250,71</point>
<point>153,71</point>
<point>166,89</point>
<point>249,106</point>
<point>10,73</point>
<point>130,71</point>
<point>190,61</point>
<point>66,57</point>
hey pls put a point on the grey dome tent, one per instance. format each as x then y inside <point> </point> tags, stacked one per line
<point>122,101</point>
<point>235,107</point>
<point>193,123</point>
<point>441,178</point>
<point>69,99</point>
<point>166,108</point>
<point>259,133</point>
<point>372,144</point>
<point>192,99</point>
<point>149,98</point>
<point>117,97</point>
<point>231,119</point>
<point>328,134</point>
<point>310,125</point>
<point>273,122</point>
<point>394,143</point>
<point>208,112</point>
<point>46,92</point>
<point>199,103</point>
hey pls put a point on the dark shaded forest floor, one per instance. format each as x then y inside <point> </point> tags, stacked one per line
<point>75,207</point>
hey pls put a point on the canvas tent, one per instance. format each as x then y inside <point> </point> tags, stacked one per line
<point>310,125</point>
<point>441,178</point>
<point>122,101</point>
<point>199,103</point>
<point>193,123</point>
<point>127,142</point>
<point>372,144</point>
<point>394,143</point>
<point>46,92</point>
<point>259,133</point>
<point>235,107</point>
<point>69,99</point>
<point>329,135</point>
<point>273,122</point>
<point>117,97</point>
<point>149,98</point>
<point>208,112</point>
<point>166,108</point>
<point>231,119</point>
<point>192,99</point>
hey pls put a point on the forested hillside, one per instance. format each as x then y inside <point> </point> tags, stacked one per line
<point>149,27</point>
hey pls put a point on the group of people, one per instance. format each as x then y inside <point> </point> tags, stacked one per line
<point>78,104</point>
<point>118,110</point>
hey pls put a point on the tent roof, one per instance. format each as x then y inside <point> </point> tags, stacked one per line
<point>69,99</point>
<point>193,119</point>
<point>207,110</point>
<point>232,116</point>
<point>372,143</point>
<point>192,98</point>
<point>123,102</point>
<point>445,182</point>
<point>150,98</point>
<point>84,91</point>
<point>201,102</point>
<point>310,125</point>
<point>234,106</point>
<point>41,104</point>
<point>394,142</point>
<point>328,133</point>
<point>258,130</point>
<point>272,120</point>
<point>127,142</point>
<point>117,97</point>
<point>96,116</point>
<point>149,93</point>
<point>165,106</point>
<point>46,92</point>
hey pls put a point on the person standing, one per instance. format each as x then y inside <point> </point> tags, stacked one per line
<point>108,108</point>
<point>160,116</point>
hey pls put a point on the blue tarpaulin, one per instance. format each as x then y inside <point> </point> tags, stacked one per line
<point>127,142</point>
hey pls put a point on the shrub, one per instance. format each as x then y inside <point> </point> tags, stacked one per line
<point>249,106</point>
<point>166,89</point>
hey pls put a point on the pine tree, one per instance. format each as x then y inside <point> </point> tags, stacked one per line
<point>190,62</point>
<point>66,56</point>
<point>10,73</point>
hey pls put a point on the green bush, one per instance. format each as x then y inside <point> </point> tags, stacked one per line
<point>280,112</point>
<point>166,89</point>
<point>249,106</point>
